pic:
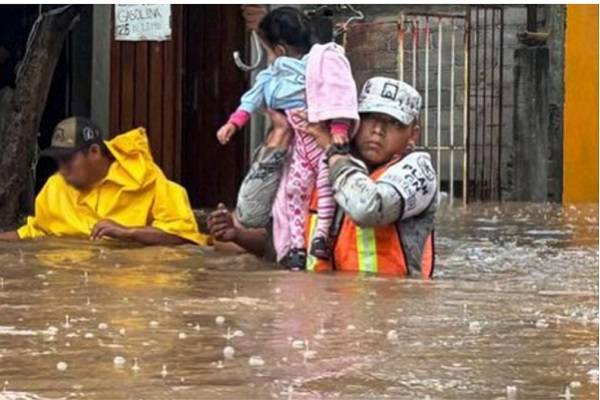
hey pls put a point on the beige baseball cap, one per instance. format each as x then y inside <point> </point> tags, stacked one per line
<point>71,135</point>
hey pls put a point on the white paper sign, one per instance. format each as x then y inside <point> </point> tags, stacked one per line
<point>140,22</point>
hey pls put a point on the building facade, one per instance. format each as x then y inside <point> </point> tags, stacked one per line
<point>511,92</point>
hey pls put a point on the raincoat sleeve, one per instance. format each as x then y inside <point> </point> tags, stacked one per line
<point>404,190</point>
<point>172,213</point>
<point>35,226</point>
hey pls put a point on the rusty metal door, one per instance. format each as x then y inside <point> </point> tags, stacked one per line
<point>485,102</point>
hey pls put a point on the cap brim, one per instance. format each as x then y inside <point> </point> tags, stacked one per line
<point>391,111</point>
<point>57,152</point>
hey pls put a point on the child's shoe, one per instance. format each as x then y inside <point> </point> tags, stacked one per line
<point>295,260</point>
<point>319,248</point>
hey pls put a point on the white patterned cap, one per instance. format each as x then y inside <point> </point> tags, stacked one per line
<point>392,97</point>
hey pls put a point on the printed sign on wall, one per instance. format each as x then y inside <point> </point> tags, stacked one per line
<point>140,22</point>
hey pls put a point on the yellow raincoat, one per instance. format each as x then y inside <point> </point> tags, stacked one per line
<point>134,193</point>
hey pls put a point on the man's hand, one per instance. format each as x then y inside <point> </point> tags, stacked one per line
<point>107,228</point>
<point>253,13</point>
<point>220,224</point>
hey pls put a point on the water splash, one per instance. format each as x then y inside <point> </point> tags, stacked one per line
<point>256,361</point>
<point>67,324</point>
<point>228,352</point>
<point>119,361</point>
<point>392,335</point>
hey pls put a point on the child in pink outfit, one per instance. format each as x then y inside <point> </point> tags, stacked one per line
<point>310,84</point>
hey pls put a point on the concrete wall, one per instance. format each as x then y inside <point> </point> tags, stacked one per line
<point>535,166</point>
<point>515,20</point>
<point>554,24</point>
<point>530,127</point>
<point>581,105</point>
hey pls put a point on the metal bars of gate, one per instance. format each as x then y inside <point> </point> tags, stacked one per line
<point>421,38</point>
<point>486,102</point>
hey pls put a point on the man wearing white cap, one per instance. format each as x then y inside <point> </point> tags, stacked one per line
<point>386,193</point>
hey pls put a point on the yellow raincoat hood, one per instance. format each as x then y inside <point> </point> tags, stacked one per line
<point>134,193</point>
<point>134,167</point>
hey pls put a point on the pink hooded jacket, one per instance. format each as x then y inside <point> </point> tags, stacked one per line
<point>330,88</point>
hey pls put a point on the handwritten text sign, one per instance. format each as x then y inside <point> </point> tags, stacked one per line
<point>139,22</point>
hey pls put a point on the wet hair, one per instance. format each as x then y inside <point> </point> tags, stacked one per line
<point>286,26</point>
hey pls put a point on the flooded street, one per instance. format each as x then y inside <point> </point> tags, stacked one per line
<point>512,313</point>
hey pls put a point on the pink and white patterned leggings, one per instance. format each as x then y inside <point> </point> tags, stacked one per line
<point>307,165</point>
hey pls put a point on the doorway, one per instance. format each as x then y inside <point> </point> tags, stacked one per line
<point>212,87</point>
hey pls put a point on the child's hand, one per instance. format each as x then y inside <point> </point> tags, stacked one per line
<point>339,140</point>
<point>320,131</point>
<point>226,132</point>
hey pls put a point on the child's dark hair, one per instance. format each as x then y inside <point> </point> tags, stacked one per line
<point>286,26</point>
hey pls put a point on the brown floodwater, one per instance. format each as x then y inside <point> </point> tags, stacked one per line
<point>512,313</point>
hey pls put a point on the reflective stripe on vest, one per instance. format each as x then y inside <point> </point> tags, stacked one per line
<point>311,261</point>
<point>367,249</point>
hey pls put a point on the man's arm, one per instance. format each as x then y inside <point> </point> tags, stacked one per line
<point>223,228</point>
<point>10,235</point>
<point>153,236</point>
<point>367,202</point>
<point>147,235</point>
<point>259,188</point>
<point>404,190</point>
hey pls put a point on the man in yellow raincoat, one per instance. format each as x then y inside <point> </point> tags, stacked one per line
<point>108,189</point>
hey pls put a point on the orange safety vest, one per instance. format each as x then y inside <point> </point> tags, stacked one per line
<point>374,249</point>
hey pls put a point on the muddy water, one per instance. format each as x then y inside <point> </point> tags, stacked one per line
<point>514,304</point>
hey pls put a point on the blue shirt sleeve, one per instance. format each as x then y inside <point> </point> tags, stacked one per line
<point>254,99</point>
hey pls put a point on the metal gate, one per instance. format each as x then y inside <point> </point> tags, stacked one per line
<point>433,55</point>
<point>460,78</point>
<point>485,102</point>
